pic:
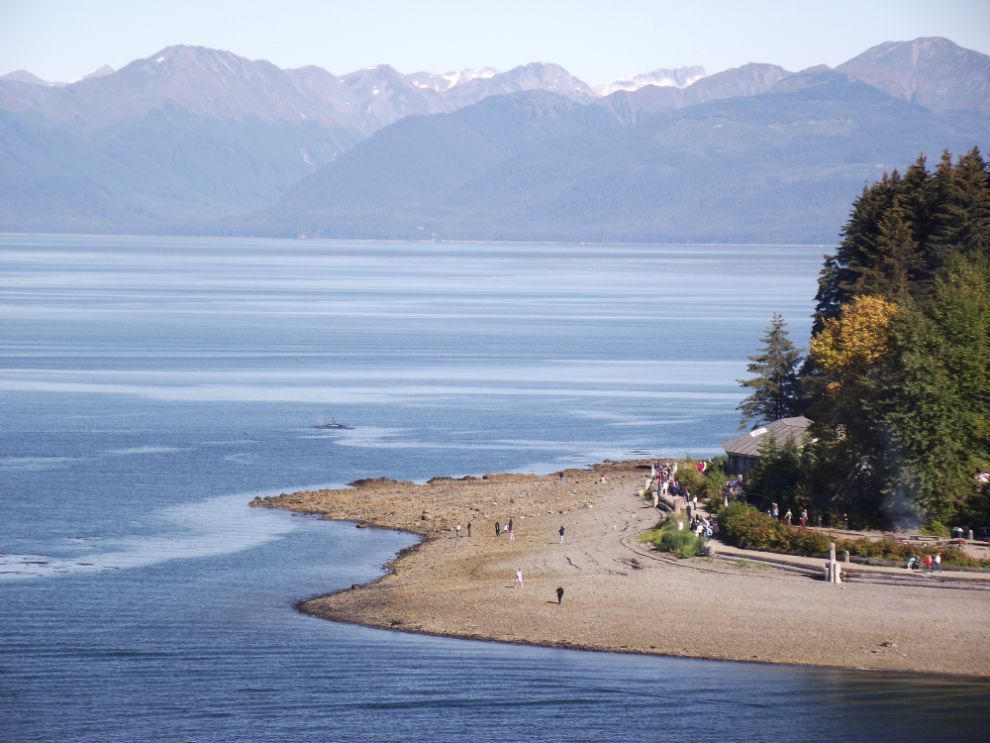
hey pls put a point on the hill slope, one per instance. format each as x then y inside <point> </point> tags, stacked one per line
<point>192,136</point>
<point>781,166</point>
<point>932,72</point>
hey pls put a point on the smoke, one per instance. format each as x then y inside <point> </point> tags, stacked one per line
<point>902,511</point>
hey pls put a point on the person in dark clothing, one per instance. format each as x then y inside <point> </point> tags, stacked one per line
<point>498,529</point>
<point>510,524</point>
<point>560,595</point>
<point>561,534</point>
<point>469,528</point>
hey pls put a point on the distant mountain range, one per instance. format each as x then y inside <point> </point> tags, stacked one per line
<point>195,140</point>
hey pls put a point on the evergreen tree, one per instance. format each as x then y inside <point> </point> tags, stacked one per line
<point>917,221</point>
<point>961,214</point>
<point>777,475</point>
<point>776,388</point>
<point>837,283</point>
<point>894,258</point>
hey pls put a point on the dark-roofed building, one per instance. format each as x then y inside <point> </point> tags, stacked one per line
<point>744,450</point>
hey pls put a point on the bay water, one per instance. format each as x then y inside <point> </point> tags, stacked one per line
<point>151,387</point>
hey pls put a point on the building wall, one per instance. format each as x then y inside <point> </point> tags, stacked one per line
<point>739,465</point>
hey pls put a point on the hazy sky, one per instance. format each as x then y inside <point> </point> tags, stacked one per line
<point>597,41</point>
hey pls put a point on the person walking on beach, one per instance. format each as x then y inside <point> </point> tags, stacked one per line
<point>562,534</point>
<point>458,529</point>
<point>498,529</point>
<point>469,528</point>
<point>519,582</point>
<point>561,478</point>
<point>560,595</point>
<point>510,524</point>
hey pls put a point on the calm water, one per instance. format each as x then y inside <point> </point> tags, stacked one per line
<point>150,387</point>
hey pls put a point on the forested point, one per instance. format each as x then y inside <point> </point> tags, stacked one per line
<point>897,373</point>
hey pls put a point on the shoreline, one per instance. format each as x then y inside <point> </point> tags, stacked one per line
<point>620,596</point>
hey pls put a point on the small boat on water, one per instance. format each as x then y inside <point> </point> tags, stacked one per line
<point>334,425</point>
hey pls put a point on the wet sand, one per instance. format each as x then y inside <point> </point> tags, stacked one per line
<point>619,595</point>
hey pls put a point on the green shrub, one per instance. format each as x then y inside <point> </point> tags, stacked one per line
<point>746,527</point>
<point>680,542</point>
<point>706,485</point>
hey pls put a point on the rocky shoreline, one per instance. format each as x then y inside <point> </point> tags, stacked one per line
<point>619,595</point>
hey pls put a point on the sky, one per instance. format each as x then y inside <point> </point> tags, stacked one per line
<point>62,40</point>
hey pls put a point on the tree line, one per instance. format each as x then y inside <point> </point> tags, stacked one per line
<point>897,373</point>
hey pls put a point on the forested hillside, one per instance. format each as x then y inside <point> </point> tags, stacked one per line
<point>201,141</point>
<point>776,167</point>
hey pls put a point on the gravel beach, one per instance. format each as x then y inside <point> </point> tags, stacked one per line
<point>619,595</point>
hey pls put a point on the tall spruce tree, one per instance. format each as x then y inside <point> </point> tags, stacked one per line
<point>899,364</point>
<point>918,220</point>
<point>776,388</point>
<point>893,258</point>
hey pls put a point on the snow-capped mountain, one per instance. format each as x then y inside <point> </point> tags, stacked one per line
<point>441,82</point>
<point>533,76</point>
<point>662,77</point>
<point>381,95</point>
<point>100,72</point>
<point>194,133</point>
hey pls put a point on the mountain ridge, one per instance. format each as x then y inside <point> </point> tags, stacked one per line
<point>191,135</point>
<point>694,174</point>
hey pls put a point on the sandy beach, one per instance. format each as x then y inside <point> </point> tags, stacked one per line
<point>619,595</point>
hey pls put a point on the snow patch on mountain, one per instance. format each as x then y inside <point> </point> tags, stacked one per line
<point>663,77</point>
<point>440,82</point>
<point>101,72</point>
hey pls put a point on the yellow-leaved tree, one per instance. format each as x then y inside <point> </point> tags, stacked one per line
<point>851,348</point>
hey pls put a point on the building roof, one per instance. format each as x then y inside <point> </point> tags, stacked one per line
<point>748,444</point>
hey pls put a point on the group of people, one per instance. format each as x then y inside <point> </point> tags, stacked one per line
<point>663,476</point>
<point>705,526</point>
<point>803,520</point>
<point>509,529</point>
<point>931,563</point>
<point>734,488</point>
